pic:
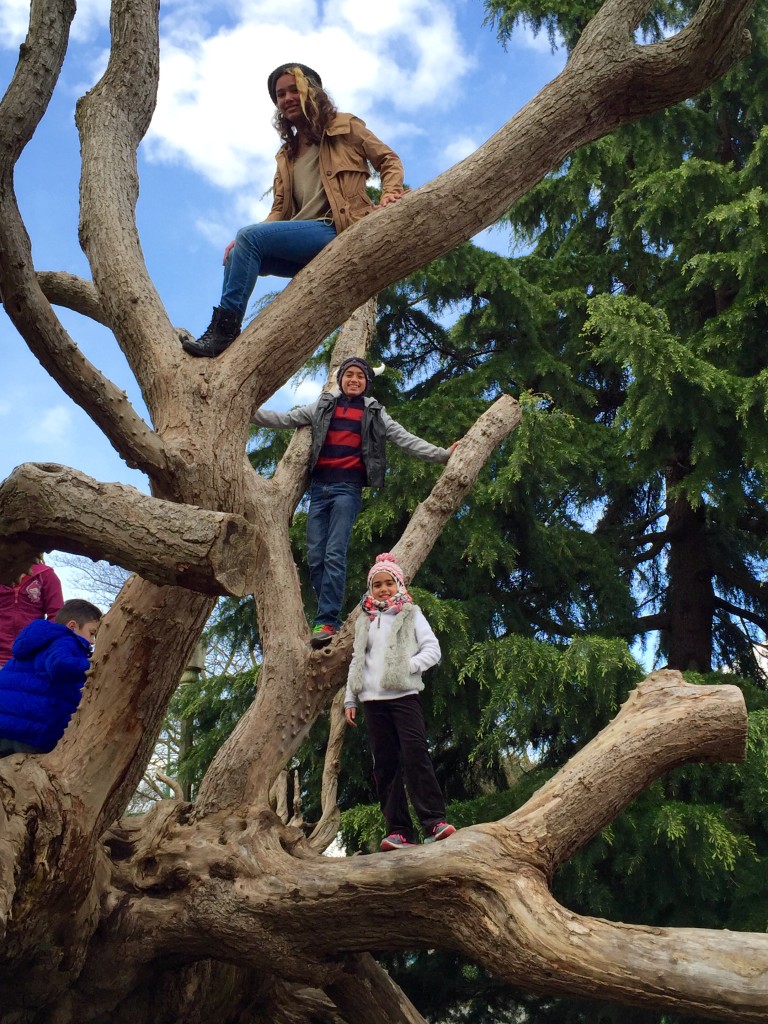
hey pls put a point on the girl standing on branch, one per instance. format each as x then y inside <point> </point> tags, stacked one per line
<point>393,645</point>
<point>319,190</point>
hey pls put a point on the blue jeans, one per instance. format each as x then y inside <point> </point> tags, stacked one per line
<point>332,513</point>
<point>277,247</point>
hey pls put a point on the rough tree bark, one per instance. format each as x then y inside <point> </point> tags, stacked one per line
<point>219,910</point>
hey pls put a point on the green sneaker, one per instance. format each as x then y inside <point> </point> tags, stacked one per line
<point>322,635</point>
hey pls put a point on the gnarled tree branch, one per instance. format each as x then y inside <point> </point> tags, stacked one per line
<point>166,543</point>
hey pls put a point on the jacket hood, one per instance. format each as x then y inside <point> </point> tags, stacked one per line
<point>37,636</point>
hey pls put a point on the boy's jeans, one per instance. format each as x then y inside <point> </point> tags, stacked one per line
<point>332,513</point>
<point>277,247</point>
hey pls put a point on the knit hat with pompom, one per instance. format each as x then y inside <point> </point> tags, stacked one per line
<point>386,562</point>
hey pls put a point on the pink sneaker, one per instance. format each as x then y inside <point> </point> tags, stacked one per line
<point>440,831</point>
<point>395,841</point>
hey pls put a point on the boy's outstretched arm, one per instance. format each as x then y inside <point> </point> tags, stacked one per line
<point>416,446</point>
<point>301,416</point>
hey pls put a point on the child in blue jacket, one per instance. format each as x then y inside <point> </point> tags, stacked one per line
<point>40,686</point>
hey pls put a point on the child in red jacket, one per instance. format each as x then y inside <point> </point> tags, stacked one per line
<point>35,595</point>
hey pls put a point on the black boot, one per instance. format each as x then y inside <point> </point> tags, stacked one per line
<point>222,331</point>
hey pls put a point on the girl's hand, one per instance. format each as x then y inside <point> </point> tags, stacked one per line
<point>454,446</point>
<point>349,716</point>
<point>227,251</point>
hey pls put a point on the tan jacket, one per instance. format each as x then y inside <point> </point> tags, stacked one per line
<point>346,149</point>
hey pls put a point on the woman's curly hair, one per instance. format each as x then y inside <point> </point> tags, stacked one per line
<point>316,105</point>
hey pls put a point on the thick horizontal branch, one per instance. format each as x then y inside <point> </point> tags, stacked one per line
<point>608,81</point>
<point>647,623</point>
<point>664,723</point>
<point>736,577</point>
<point>164,542</point>
<point>485,891</point>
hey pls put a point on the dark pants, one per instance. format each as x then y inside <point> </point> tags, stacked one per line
<point>398,740</point>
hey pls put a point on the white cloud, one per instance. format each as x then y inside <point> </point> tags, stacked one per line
<point>92,15</point>
<point>52,428</point>
<point>14,20</point>
<point>307,391</point>
<point>459,148</point>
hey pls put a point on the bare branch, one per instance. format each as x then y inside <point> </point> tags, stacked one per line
<point>326,829</point>
<point>33,82</point>
<point>73,293</point>
<point>761,621</point>
<point>172,784</point>
<point>278,796</point>
<point>20,110</point>
<point>112,119</point>
<point>297,819</point>
<point>459,477</point>
<point>646,739</point>
<point>165,542</point>
<point>366,994</point>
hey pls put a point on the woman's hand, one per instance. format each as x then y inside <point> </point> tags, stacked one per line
<point>391,198</point>
<point>349,715</point>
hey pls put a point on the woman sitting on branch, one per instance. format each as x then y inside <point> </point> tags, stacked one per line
<point>319,190</point>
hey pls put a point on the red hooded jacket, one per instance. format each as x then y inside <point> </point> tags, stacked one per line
<point>37,596</point>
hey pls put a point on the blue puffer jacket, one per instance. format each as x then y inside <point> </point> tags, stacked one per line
<point>40,686</point>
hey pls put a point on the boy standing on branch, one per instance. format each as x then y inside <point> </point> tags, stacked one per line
<point>349,435</point>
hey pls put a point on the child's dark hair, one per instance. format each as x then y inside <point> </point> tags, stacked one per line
<point>79,610</point>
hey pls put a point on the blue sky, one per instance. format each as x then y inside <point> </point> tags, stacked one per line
<point>428,77</point>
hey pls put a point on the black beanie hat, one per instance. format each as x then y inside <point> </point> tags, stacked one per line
<point>313,76</point>
<point>356,361</point>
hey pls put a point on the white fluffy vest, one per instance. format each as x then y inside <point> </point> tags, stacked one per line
<point>401,648</point>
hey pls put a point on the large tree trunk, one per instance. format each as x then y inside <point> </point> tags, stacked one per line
<point>691,595</point>
<point>219,910</point>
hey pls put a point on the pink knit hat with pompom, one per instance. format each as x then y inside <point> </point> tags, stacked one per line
<point>386,562</point>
